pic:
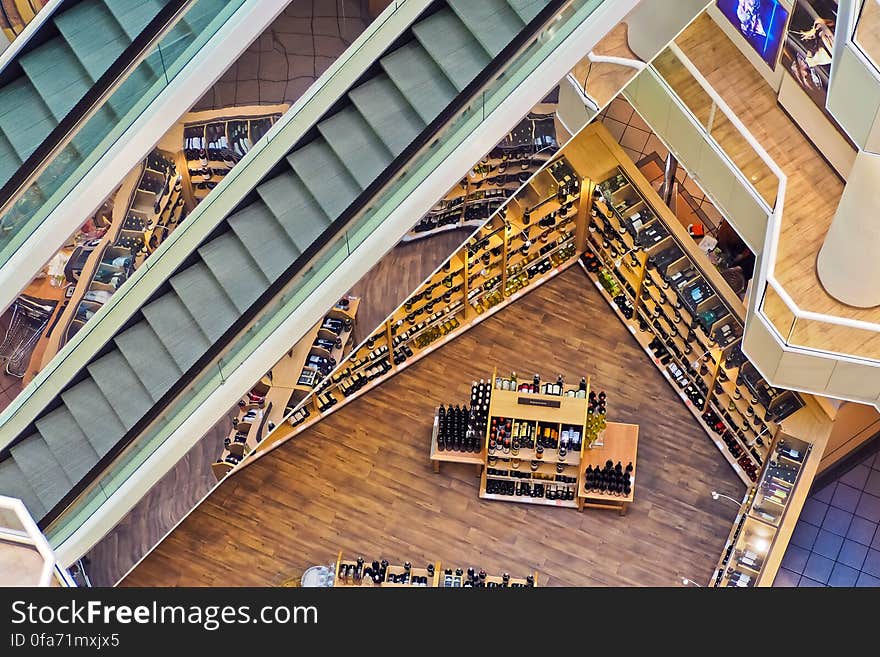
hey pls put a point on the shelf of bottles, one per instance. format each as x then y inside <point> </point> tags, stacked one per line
<point>493,180</point>
<point>658,288</point>
<point>381,573</point>
<point>763,510</point>
<point>524,244</point>
<point>536,433</point>
<point>212,148</point>
<point>459,434</point>
<point>154,208</point>
<point>276,396</point>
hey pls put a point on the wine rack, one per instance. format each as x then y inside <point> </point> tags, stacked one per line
<point>659,288</point>
<point>147,207</point>
<point>493,180</point>
<point>381,573</point>
<point>213,146</point>
<point>276,396</point>
<point>528,241</point>
<point>534,443</point>
<point>755,530</point>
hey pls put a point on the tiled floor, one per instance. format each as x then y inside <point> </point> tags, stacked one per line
<point>836,541</point>
<point>284,61</point>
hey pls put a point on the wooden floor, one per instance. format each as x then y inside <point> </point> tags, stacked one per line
<point>813,190</point>
<point>402,270</point>
<point>360,480</point>
<point>603,81</point>
<point>382,289</point>
<point>868,31</point>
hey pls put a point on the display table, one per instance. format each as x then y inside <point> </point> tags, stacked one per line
<point>449,456</point>
<point>620,445</point>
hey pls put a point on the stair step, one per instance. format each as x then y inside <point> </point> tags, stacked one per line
<point>94,415</point>
<point>149,359</point>
<point>390,115</point>
<point>527,9</point>
<point>121,387</point>
<point>205,300</point>
<point>176,328</point>
<point>57,75</point>
<point>356,145</point>
<point>265,238</point>
<point>419,79</point>
<point>94,35</point>
<point>68,443</point>
<point>134,15</point>
<point>326,181</point>
<point>9,160</point>
<point>24,116</point>
<point>452,46</point>
<point>235,269</point>
<point>42,470</point>
<point>493,22</point>
<point>13,483</point>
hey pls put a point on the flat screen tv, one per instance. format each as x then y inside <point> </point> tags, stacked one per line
<point>761,23</point>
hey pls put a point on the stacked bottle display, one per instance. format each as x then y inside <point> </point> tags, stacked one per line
<point>596,416</point>
<point>537,386</point>
<point>611,479</point>
<point>376,573</point>
<point>682,311</point>
<point>479,579</point>
<point>456,430</point>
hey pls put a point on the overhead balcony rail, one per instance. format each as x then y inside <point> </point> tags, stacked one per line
<point>749,187</point>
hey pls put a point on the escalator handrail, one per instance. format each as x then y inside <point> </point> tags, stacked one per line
<point>130,58</point>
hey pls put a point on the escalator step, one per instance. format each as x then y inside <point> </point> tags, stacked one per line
<point>92,413</point>
<point>68,443</point>
<point>419,79</point>
<point>390,115</point>
<point>42,470</point>
<point>121,387</point>
<point>493,22</point>
<point>356,145</point>
<point>205,300</point>
<point>452,46</point>
<point>176,328</point>
<point>235,269</point>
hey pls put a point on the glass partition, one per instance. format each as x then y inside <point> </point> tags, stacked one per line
<point>103,129</point>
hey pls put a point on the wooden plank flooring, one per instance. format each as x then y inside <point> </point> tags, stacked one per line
<point>360,481</point>
<point>382,289</point>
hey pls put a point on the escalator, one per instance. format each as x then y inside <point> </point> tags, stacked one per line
<point>274,231</point>
<point>75,81</point>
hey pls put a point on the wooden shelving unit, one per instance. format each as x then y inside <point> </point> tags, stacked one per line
<point>147,206</point>
<point>511,255</point>
<point>434,576</point>
<point>437,456</point>
<point>537,413</point>
<point>282,388</point>
<point>231,133</point>
<point>650,271</point>
<point>764,510</point>
<point>490,183</point>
